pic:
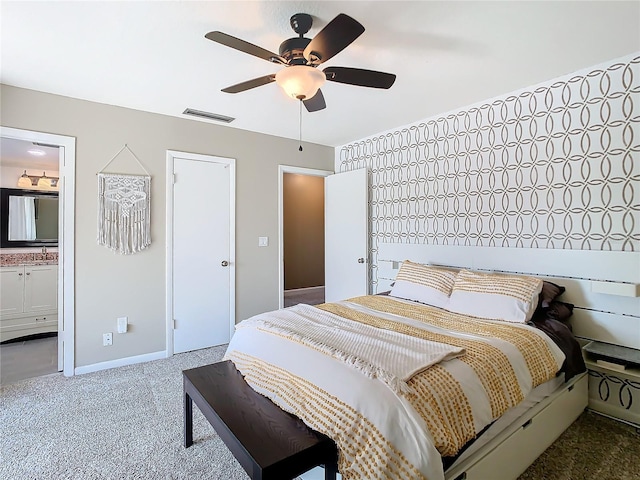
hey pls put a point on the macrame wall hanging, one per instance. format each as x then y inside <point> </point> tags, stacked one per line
<point>124,209</point>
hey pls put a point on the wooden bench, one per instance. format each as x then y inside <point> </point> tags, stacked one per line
<point>268,442</point>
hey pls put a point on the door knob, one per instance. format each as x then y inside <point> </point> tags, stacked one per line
<point>361,260</point>
<point>225,263</point>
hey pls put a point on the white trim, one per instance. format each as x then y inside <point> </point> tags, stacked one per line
<point>120,362</point>
<point>66,227</point>
<point>231,162</point>
<point>282,169</point>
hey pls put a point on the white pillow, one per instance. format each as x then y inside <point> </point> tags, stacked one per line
<point>495,296</point>
<point>424,283</point>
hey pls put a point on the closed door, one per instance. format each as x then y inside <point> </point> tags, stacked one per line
<point>201,259</point>
<point>346,235</point>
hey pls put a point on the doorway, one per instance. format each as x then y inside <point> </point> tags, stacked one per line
<point>65,147</point>
<point>346,232</point>
<point>301,239</point>
<point>200,251</point>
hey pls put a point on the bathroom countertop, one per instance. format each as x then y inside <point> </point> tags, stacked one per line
<point>17,259</point>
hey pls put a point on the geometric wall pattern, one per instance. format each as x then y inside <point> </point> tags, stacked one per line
<point>553,166</point>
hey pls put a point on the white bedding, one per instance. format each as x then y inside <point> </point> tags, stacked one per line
<point>392,357</point>
<point>378,431</point>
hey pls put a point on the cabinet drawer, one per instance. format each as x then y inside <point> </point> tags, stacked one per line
<point>515,452</point>
<point>16,327</point>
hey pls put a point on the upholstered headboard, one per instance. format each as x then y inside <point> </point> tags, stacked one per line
<point>604,286</point>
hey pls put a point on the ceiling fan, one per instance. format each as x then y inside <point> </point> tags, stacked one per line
<point>300,78</point>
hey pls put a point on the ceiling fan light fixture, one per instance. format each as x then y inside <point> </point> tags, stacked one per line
<point>300,81</point>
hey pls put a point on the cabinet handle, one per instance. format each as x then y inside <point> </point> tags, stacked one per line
<point>28,273</point>
<point>20,274</point>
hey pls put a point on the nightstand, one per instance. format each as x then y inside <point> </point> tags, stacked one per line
<point>614,381</point>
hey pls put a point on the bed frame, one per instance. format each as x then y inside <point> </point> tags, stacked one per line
<point>604,286</point>
<point>605,289</point>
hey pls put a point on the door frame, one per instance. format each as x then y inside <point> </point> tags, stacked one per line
<point>282,169</point>
<point>231,162</point>
<point>66,238</point>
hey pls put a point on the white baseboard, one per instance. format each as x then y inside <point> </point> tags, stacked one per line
<point>120,362</point>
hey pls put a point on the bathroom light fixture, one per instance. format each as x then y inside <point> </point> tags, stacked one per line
<point>36,152</point>
<point>31,181</point>
<point>44,181</point>
<point>25,181</point>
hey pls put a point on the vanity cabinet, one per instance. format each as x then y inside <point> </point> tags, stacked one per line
<point>28,300</point>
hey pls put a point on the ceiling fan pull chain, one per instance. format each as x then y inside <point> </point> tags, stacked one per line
<point>300,147</point>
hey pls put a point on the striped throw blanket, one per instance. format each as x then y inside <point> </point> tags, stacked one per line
<point>386,354</point>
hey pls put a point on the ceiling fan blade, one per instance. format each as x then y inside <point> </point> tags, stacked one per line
<point>245,47</point>
<point>332,39</point>
<point>360,77</point>
<point>249,84</point>
<point>315,103</point>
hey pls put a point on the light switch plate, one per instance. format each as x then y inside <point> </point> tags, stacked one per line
<point>263,241</point>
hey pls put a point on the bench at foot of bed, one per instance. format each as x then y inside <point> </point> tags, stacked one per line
<point>268,442</point>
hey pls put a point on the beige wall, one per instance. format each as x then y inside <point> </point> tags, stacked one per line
<point>303,212</point>
<point>110,285</point>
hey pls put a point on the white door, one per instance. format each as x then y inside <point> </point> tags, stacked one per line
<point>346,235</point>
<point>201,252</point>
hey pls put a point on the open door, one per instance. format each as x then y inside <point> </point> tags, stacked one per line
<point>346,235</point>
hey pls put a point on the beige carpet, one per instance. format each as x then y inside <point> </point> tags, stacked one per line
<point>126,423</point>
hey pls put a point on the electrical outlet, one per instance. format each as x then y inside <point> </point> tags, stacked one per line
<point>107,339</point>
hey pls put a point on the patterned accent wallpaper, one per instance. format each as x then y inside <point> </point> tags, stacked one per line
<point>556,165</point>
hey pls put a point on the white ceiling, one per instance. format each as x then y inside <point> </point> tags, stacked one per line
<point>153,56</point>
<point>23,154</point>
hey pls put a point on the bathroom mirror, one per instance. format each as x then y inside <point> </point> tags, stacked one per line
<point>28,218</point>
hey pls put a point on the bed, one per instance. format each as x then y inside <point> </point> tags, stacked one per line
<point>327,366</point>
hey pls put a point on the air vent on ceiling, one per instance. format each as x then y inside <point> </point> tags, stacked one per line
<point>209,115</point>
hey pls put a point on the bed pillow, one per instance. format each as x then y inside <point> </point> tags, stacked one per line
<point>550,291</point>
<point>560,311</point>
<point>495,296</point>
<point>424,283</point>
